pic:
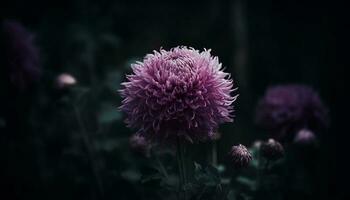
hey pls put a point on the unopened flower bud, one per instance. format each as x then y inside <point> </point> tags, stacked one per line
<point>257,144</point>
<point>305,137</point>
<point>65,80</point>
<point>272,150</point>
<point>240,156</point>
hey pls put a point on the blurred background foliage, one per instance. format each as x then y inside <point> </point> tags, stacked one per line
<point>73,144</point>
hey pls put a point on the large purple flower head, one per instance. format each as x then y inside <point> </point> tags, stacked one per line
<point>178,93</point>
<point>285,109</point>
<point>20,60</point>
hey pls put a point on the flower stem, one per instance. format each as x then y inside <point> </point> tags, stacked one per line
<point>259,170</point>
<point>160,164</point>
<point>180,154</point>
<point>90,151</point>
<point>214,154</point>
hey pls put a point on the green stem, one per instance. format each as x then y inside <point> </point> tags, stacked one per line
<point>214,154</point>
<point>161,166</point>
<point>267,165</point>
<point>259,170</point>
<point>183,159</point>
<point>184,167</point>
<point>182,172</point>
<point>90,151</point>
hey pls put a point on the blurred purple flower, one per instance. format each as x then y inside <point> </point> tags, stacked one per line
<point>181,92</point>
<point>21,57</point>
<point>240,156</point>
<point>305,137</point>
<point>285,109</point>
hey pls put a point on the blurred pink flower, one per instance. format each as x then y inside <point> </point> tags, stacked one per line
<point>65,80</point>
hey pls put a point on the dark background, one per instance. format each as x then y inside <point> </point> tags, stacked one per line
<point>261,43</point>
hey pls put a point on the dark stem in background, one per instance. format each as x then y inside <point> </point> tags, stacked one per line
<point>184,164</point>
<point>180,155</point>
<point>214,154</point>
<point>267,165</point>
<point>259,170</point>
<point>241,42</point>
<point>90,151</point>
<point>160,164</point>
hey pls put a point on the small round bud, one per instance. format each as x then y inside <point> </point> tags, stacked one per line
<point>240,156</point>
<point>272,150</point>
<point>305,137</point>
<point>139,144</point>
<point>257,144</point>
<point>65,80</point>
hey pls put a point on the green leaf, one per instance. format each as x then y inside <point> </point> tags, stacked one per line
<point>131,175</point>
<point>113,80</point>
<point>247,182</point>
<point>107,145</point>
<point>208,177</point>
<point>171,182</point>
<point>213,171</point>
<point>108,114</point>
<point>151,177</point>
<point>190,186</point>
<point>221,168</point>
<point>197,166</point>
<point>231,195</point>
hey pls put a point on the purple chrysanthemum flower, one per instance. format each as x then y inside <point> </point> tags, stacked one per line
<point>20,55</point>
<point>286,109</point>
<point>240,156</point>
<point>178,93</point>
